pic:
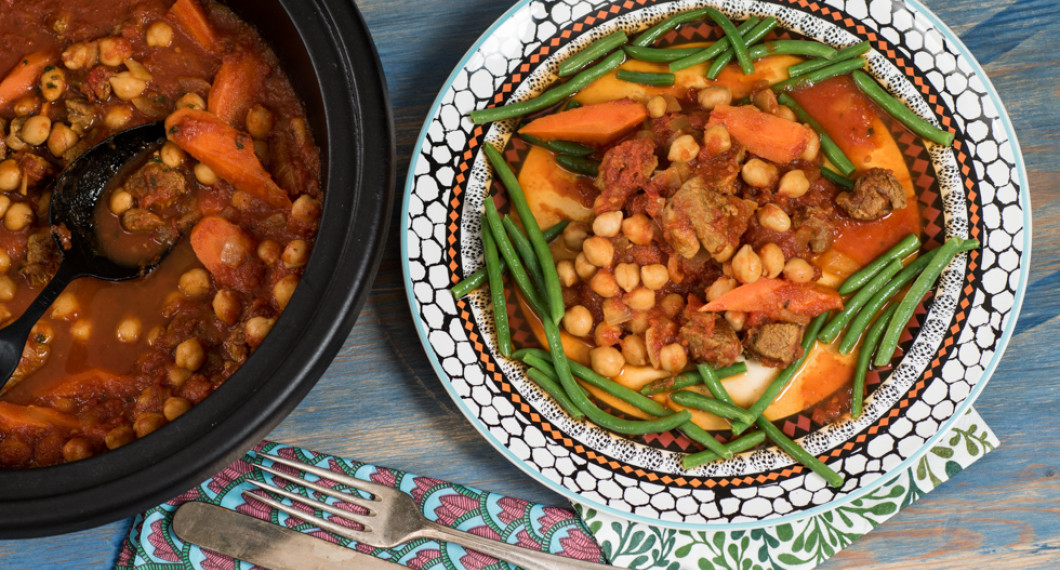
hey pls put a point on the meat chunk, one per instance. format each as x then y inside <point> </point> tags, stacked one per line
<point>156,186</point>
<point>813,228</point>
<point>876,193</point>
<point>776,344</point>
<point>625,168</point>
<point>80,114</point>
<point>710,339</point>
<point>699,216</point>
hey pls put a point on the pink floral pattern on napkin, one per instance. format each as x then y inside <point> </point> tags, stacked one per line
<point>151,543</point>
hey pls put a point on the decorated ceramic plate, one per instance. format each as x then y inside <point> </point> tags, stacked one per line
<point>975,188</point>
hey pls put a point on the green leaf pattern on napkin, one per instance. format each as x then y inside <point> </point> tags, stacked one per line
<point>800,544</point>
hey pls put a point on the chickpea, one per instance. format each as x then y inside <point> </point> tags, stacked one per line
<point>295,254</point>
<point>269,252</point>
<point>772,260</point>
<point>305,209</point>
<point>640,322</point>
<point>36,130</point>
<point>194,283</point>
<point>256,329</point>
<point>765,100</point>
<point>175,407</point>
<point>261,148</point>
<point>5,203</point>
<point>641,299</point>
<point>25,106</point>
<point>284,289</point>
<point>607,334</point>
<point>119,436</point>
<point>716,138</point>
<point>113,51</point>
<point>634,350</point>
<point>177,376</point>
<point>809,154</point>
<point>608,224</point>
<point>7,288</point>
<point>126,86</point>
<point>785,113</point>
<point>52,83</point>
<point>638,229</point>
<point>117,117</point>
<point>5,259</point>
<point>578,321</point>
<point>627,275</point>
<point>773,217</point>
<point>159,34</point>
<point>654,276</point>
<point>604,284</point>
<point>191,101</point>
<point>672,304</point>
<point>598,251</point>
<point>657,106</point>
<point>736,319</point>
<point>607,361</point>
<point>793,184</point>
<point>720,286</point>
<point>62,139</point>
<point>120,202</point>
<point>673,358</point>
<point>10,175</point>
<point>65,307</point>
<point>153,335</point>
<point>583,268</point>
<point>759,173</point>
<point>259,121</point>
<point>226,306</point>
<point>18,216</point>
<point>798,270</point>
<point>171,155</point>
<point>129,330</point>
<point>683,149</point>
<point>568,276</point>
<point>746,265</point>
<point>76,449</point>
<point>574,235</point>
<point>615,311</point>
<point>205,175</point>
<point>147,423</point>
<point>190,354</point>
<point>713,96</point>
<point>81,55</point>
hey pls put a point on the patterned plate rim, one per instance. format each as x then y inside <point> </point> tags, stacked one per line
<point>988,368</point>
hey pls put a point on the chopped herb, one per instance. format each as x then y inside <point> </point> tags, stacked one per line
<point>239,143</point>
<point>174,130</point>
<point>50,85</point>
<point>49,68</point>
<point>41,339</point>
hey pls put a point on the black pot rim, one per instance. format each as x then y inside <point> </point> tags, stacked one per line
<point>360,176</point>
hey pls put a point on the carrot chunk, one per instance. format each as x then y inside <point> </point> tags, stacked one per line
<point>765,135</point>
<point>596,124</point>
<point>240,78</point>
<point>227,252</point>
<point>24,76</point>
<point>774,297</point>
<point>14,416</point>
<point>191,18</point>
<point>228,152</point>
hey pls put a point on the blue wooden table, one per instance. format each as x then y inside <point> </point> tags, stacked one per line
<point>380,401</point>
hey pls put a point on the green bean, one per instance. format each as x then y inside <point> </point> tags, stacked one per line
<point>596,50</point>
<point>750,37</point>
<point>658,55</point>
<point>799,454</point>
<point>781,381</point>
<point>735,40</point>
<point>828,146</point>
<point>751,440</point>
<point>868,346</point>
<point>476,279</point>
<point>713,50</point>
<point>790,47</point>
<point>838,322</point>
<point>653,33</point>
<point>826,60</point>
<point>549,385</point>
<point>916,292</point>
<point>899,111</point>
<point>838,68</point>
<point>900,250</point>
<point>515,265</point>
<point>687,379</point>
<point>645,77</point>
<point>717,407</point>
<point>550,97</point>
<point>525,251</point>
<point>559,147</point>
<point>579,165</point>
<point>500,306</point>
<point>837,178</point>
<point>712,380</point>
<point>553,290</point>
<point>572,104</point>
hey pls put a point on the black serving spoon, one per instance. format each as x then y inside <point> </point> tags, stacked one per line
<point>73,204</point>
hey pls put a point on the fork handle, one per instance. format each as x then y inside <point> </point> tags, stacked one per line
<point>522,557</point>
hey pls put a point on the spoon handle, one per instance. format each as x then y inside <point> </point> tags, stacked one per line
<point>13,336</point>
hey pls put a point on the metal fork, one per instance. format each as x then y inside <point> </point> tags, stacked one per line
<point>393,518</point>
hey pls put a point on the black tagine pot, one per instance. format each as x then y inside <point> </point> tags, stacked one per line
<point>327,52</point>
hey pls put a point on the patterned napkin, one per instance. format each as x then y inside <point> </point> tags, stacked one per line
<point>801,544</point>
<point>152,545</point>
